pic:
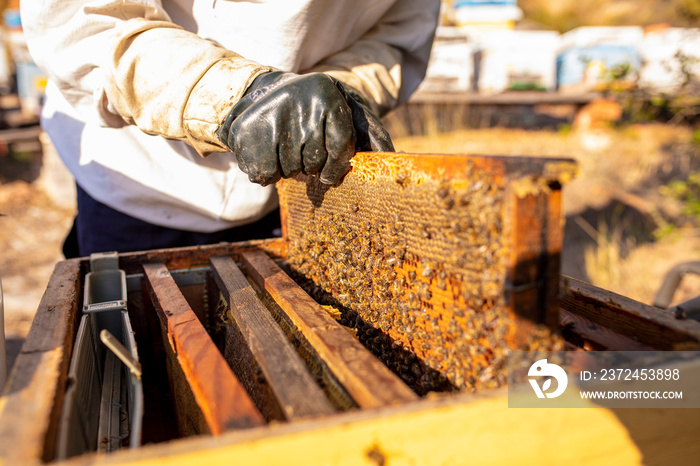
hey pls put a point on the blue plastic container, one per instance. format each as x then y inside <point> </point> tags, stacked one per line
<point>573,63</point>
<point>463,3</point>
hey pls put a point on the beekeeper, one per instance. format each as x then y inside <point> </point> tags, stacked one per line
<point>177,117</point>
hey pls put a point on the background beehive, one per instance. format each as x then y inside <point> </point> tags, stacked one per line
<point>434,259</point>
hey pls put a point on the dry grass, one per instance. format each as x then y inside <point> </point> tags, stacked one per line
<point>490,141</point>
<point>564,15</point>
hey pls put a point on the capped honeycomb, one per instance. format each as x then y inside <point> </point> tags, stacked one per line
<point>416,260</point>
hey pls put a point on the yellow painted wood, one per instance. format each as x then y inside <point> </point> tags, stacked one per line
<point>460,430</point>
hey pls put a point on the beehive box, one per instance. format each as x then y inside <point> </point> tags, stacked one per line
<point>241,364</point>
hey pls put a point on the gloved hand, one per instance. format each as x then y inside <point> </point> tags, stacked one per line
<point>288,123</point>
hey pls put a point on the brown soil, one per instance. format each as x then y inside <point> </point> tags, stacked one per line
<point>32,228</point>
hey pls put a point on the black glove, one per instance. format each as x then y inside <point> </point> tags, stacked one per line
<point>287,123</point>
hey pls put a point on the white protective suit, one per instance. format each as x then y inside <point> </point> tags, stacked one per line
<point>138,88</point>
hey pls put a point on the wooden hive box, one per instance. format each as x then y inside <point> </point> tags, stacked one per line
<point>241,364</point>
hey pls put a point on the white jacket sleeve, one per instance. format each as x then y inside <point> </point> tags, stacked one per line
<point>389,62</point>
<point>124,62</point>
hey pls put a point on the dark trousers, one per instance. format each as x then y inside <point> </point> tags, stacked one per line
<point>99,228</point>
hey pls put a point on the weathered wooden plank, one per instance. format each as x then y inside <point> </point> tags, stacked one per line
<point>289,379</point>
<point>235,350</point>
<point>640,322</point>
<point>196,256</point>
<point>33,396</point>
<point>27,406</point>
<point>369,382</point>
<point>221,397</point>
<point>458,430</point>
<point>188,417</point>
<point>591,336</point>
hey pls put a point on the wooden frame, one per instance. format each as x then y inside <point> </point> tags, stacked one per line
<point>261,343</point>
<point>223,401</point>
<point>31,402</point>
<point>622,323</point>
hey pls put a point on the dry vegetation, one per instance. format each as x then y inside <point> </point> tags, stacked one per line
<point>32,228</point>
<point>564,15</point>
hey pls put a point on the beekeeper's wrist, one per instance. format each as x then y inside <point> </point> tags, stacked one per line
<point>213,97</point>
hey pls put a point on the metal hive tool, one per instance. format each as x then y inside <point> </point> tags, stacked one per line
<point>442,263</point>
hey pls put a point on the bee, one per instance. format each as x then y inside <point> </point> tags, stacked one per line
<point>453,328</point>
<point>425,293</point>
<point>400,252</point>
<point>354,207</point>
<point>433,363</point>
<point>401,179</point>
<point>416,370</point>
<point>441,284</point>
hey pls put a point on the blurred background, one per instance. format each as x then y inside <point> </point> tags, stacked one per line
<point>612,84</point>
